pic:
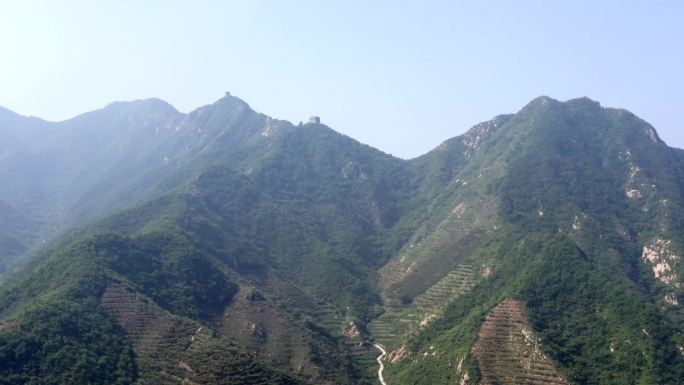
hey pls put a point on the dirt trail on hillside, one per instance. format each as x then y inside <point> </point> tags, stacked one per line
<point>382,355</point>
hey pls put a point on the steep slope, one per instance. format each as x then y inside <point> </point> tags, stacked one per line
<point>271,253</point>
<point>250,256</point>
<point>166,299</point>
<point>508,352</point>
<point>595,180</point>
<point>68,173</point>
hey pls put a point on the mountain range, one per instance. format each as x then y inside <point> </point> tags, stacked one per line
<point>141,245</point>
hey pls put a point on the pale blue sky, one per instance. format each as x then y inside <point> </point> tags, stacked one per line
<point>399,75</point>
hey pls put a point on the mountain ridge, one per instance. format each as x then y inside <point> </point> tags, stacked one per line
<point>319,244</point>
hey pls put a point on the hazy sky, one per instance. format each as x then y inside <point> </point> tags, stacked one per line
<point>399,75</point>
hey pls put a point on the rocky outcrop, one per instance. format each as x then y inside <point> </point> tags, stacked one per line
<point>473,139</point>
<point>662,259</point>
<point>399,354</point>
<point>351,330</point>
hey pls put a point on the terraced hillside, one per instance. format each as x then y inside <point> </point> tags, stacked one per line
<point>287,331</point>
<point>434,268</point>
<point>508,352</point>
<point>157,338</point>
<point>401,322</point>
<point>282,261</point>
<point>429,257</point>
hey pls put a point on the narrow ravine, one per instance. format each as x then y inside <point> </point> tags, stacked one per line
<point>382,355</point>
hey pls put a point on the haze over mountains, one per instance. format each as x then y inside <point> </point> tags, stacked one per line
<point>70,172</point>
<point>225,246</point>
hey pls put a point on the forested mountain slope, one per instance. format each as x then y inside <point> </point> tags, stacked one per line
<point>68,173</point>
<point>586,232</point>
<point>539,246</point>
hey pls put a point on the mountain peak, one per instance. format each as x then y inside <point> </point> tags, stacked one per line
<point>142,105</point>
<point>542,101</point>
<point>547,101</point>
<point>584,103</point>
<point>229,100</point>
<point>585,100</point>
<point>247,247</point>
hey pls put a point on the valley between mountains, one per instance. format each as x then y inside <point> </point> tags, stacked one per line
<point>141,245</point>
